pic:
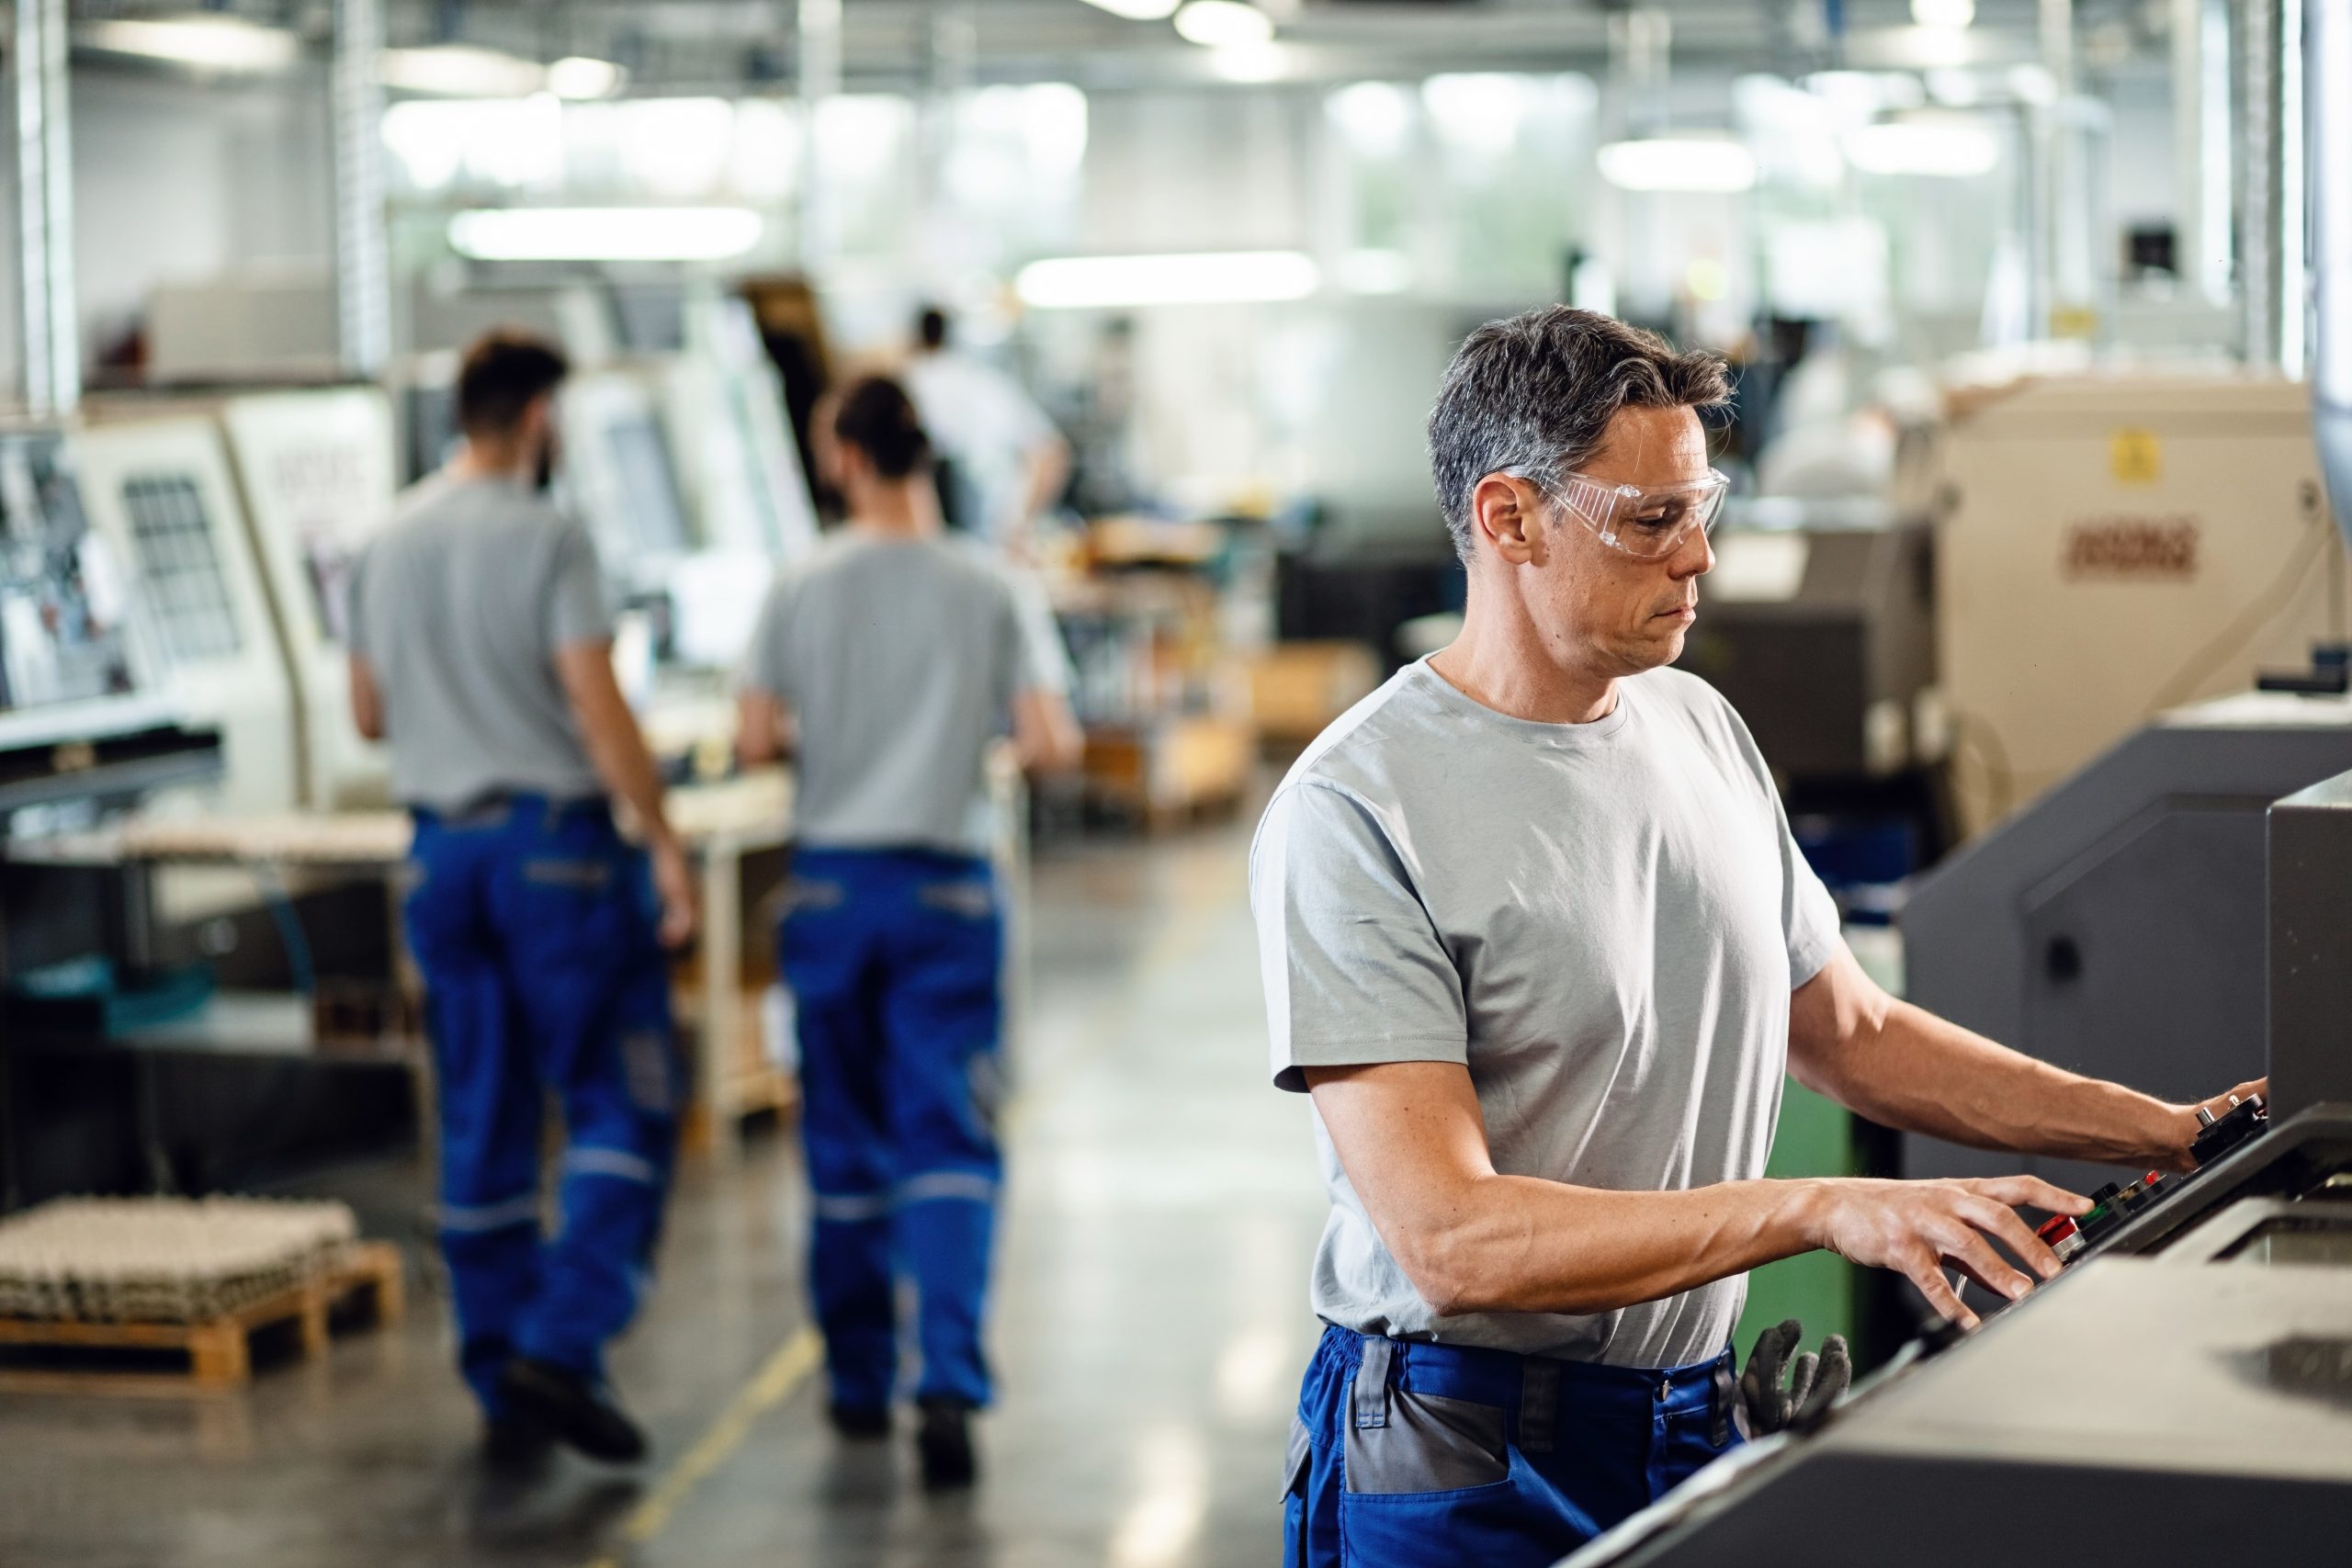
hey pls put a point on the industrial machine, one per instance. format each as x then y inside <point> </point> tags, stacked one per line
<point>162,495</point>
<point>317,472</point>
<point>2114,926</point>
<point>1817,626</point>
<point>314,471</point>
<point>2184,1380</point>
<point>2113,545</point>
<point>83,710</point>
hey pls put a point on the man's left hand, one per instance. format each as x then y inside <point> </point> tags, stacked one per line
<point>2183,1126</point>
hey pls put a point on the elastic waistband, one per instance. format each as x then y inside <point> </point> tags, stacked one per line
<point>494,810</point>
<point>1502,1377</point>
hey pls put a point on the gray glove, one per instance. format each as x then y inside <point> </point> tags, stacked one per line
<point>1814,1382</point>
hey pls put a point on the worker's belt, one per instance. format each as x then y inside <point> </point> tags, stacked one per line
<point>501,806</point>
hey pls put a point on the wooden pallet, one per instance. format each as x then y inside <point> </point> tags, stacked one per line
<point>219,1355</point>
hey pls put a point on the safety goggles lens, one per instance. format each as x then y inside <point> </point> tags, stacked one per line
<point>1644,522</point>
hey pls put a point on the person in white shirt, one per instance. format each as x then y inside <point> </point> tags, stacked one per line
<point>1008,462</point>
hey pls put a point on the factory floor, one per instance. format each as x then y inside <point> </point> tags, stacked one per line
<point>1149,1328</point>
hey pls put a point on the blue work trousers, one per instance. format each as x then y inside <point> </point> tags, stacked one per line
<point>533,923</point>
<point>894,960</point>
<point>1407,1454</point>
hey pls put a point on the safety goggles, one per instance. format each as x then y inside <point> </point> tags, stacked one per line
<point>1643,522</point>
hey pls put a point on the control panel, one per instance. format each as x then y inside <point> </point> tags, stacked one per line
<point>2112,1205</point>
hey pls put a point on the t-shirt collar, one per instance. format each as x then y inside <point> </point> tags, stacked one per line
<point>1565,736</point>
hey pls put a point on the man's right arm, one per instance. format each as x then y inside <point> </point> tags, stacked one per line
<point>1413,1145</point>
<point>617,748</point>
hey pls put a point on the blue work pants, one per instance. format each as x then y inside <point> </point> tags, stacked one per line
<point>533,923</point>
<point>893,958</point>
<point>1407,1454</point>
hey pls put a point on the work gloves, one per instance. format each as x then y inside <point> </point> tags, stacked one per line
<point>1814,1382</point>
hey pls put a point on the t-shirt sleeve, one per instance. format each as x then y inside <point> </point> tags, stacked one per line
<point>1808,915</point>
<point>767,662</point>
<point>577,611</point>
<point>1035,658</point>
<point>1353,970</point>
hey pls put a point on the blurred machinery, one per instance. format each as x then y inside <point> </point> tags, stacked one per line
<point>313,472</point>
<point>162,494</point>
<point>2114,546</point>
<point>1817,624</point>
<point>2115,926</point>
<point>2185,1379</point>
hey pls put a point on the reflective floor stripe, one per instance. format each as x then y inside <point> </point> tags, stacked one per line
<point>783,1372</point>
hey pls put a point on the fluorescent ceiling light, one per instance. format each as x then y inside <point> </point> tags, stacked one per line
<point>459,71</point>
<point>1210,279</point>
<point>1222,24</point>
<point>213,43</point>
<point>578,76</point>
<point>605,233</point>
<point>1678,163</point>
<point>1944,148</point>
<point>1250,61</point>
<point>1137,10</point>
<point>1943,13</point>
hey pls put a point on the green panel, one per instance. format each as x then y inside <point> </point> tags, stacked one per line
<point>1816,1138</point>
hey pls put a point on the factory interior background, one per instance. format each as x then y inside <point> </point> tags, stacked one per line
<point>2029,584</point>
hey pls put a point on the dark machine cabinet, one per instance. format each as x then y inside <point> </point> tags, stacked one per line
<point>2182,1393</point>
<point>2116,926</point>
<point>2310,946</point>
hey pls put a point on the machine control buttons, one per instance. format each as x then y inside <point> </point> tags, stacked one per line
<point>2220,1135</point>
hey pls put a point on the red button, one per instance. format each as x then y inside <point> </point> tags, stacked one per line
<point>2056,1229</point>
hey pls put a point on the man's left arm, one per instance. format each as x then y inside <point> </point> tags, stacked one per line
<point>1903,1066</point>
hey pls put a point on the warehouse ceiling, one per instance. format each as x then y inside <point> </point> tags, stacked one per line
<point>670,45</point>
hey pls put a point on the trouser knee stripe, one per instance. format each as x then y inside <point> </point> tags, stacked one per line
<point>851,1208</point>
<point>619,1163</point>
<point>940,1184</point>
<point>471,1218</point>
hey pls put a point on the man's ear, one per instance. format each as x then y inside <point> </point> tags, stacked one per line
<point>1504,512</point>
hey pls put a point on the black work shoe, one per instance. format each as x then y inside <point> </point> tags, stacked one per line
<point>944,1443</point>
<point>512,1446</point>
<point>574,1409</point>
<point>859,1422</point>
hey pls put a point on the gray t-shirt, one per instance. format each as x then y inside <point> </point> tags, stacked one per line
<point>900,658</point>
<point>1603,921</point>
<point>459,607</point>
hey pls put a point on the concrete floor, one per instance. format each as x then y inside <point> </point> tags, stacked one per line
<point>1149,1328</point>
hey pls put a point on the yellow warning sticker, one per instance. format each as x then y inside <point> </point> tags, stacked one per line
<point>2135,457</point>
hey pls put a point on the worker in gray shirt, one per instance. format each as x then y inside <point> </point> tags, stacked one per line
<point>1536,940</point>
<point>888,664</point>
<point>481,650</point>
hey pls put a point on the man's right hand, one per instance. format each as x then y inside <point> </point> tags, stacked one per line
<point>1920,1227</point>
<point>673,884</point>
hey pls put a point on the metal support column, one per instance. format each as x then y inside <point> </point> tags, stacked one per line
<point>2327,106</point>
<point>818,50</point>
<point>47,321</point>
<point>362,267</point>
<point>2200,86</point>
<point>2260,273</point>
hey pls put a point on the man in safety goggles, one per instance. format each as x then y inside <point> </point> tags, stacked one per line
<point>1536,938</point>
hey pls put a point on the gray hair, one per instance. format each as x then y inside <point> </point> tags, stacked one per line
<point>1536,393</point>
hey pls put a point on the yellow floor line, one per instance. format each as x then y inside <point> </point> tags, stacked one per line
<point>783,1372</point>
